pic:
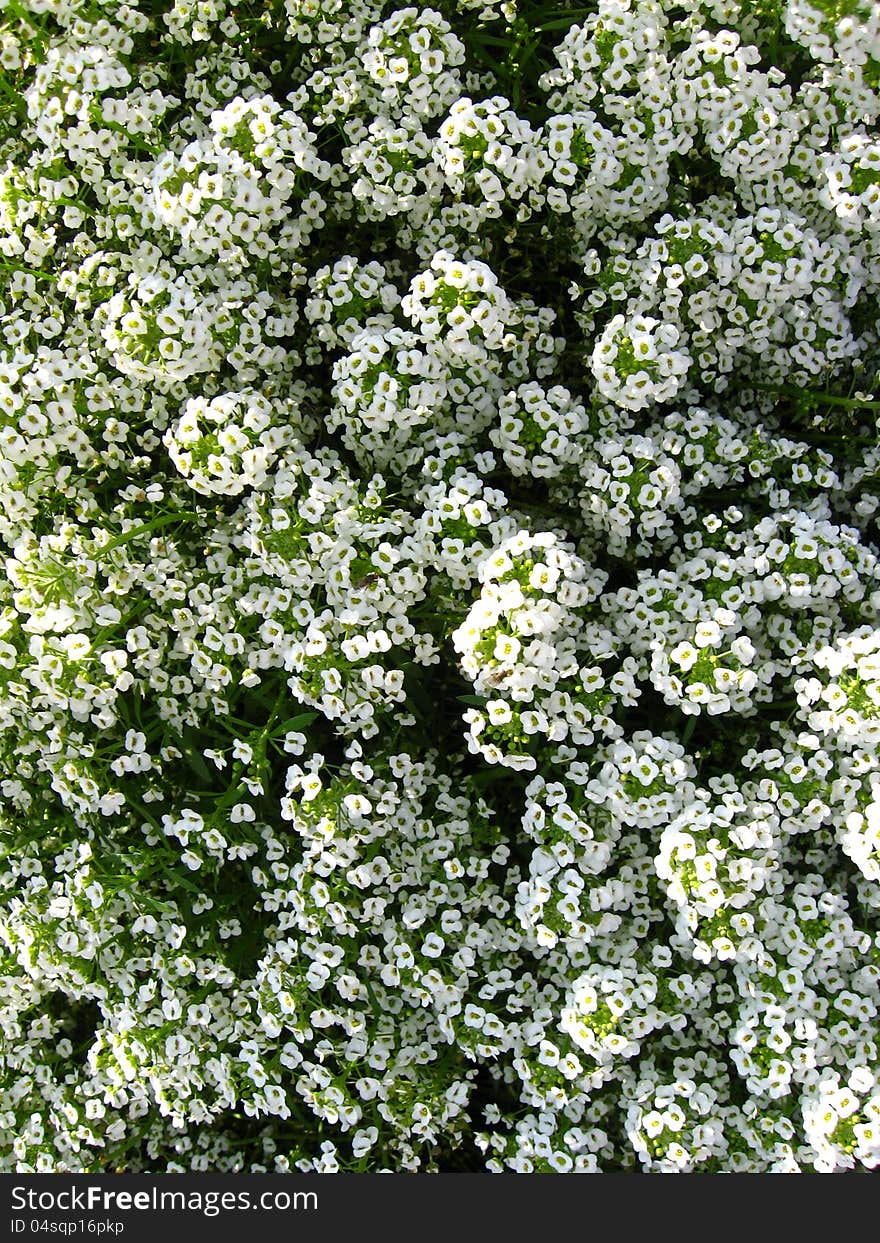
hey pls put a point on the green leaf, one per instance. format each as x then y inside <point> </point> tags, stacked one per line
<point>195,760</point>
<point>488,776</point>
<point>493,40</point>
<point>294,722</point>
<point>185,883</point>
<point>182,515</point>
<point>560,23</point>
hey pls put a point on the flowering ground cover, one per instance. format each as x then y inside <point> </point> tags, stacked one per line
<point>439,648</point>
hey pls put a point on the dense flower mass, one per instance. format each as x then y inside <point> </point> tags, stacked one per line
<point>440,627</point>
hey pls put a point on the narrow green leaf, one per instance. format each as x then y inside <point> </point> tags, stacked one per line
<point>294,722</point>
<point>181,515</point>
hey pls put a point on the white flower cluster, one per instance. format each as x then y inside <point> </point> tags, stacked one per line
<point>440,619</point>
<point>461,342</point>
<point>722,293</point>
<point>636,363</point>
<point>227,196</point>
<point>519,645</point>
<point>840,703</point>
<point>724,623</point>
<point>228,443</point>
<point>540,432</point>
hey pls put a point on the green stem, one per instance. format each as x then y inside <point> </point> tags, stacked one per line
<point>827,399</point>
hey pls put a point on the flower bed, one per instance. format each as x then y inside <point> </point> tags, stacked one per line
<point>439,648</point>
